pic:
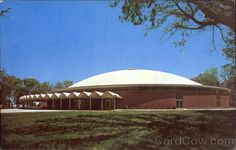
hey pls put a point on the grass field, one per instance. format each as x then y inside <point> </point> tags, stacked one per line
<point>117,130</point>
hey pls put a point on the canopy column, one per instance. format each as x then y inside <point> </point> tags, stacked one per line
<point>60,103</point>
<point>90,104</point>
<point>69,103</point>
<point>101,103</point>
<point>26,104</point>
<point>114,103</point>
<point>53,104</point>
<point>73,99</point>
<point>29,105</point>
<point>79,103</point>
<point>46,104</point>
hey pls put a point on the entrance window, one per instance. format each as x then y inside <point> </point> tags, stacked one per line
<point>179,99</point>
<point>179,103</point>
<point>179,95</point>
<point>108,104</point>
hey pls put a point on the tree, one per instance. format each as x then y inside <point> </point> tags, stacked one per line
<point>16,88</point>
<point>229,81</point>
<point>58,85</point>
<point>184,16</point>
<point>45,87</point>
<point>209,77</point>
<point>228,73</point>
<point>5,87</point>
<point>67,83</point>
<point>3,12</point>
<point>11,87</point>
<point>64,84</point>
<point>30,85</point>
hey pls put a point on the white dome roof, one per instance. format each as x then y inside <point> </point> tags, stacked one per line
<point>135,77</point>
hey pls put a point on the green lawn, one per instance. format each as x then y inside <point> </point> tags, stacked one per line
<point>116,130</point>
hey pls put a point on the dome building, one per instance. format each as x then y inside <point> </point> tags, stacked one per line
<point>145,89</point>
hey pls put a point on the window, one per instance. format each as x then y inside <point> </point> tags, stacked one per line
<point>108,104</point>
<point>179,95</point>
<point>179,103</point>
<point>179,99</point>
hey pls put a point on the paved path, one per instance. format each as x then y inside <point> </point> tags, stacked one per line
<point>28,110</point>
<point>118,110</point>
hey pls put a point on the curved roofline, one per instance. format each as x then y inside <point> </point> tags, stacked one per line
<point>144,85</point>
<point>216,87</point>
<point>140,76</point>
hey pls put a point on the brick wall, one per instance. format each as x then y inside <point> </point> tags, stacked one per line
<point>167,99</point>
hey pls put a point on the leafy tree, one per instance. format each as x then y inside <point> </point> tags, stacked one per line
<point>209,77</point>
<point>58,85</point>
<point>183,16</point>
<point>3,12</point>
<point>228,73</point>
<point>229,80</point>
<point>30,85</point>
<point>67,83</point>
<point>11,87</point>
<point>5,87</point>
<point>229,50</point>
<point>45,87</point>
<point>16,88</point>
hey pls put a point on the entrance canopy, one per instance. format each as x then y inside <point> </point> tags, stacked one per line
<point>85,95</point>
<point>112,95</point>
<point>64,95</point>
<point>96,94</point>
<point>42,96</point>
<point>56,95</point>
<point>75,95</point>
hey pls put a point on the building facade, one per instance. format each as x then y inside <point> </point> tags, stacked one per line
<point>142,89</point>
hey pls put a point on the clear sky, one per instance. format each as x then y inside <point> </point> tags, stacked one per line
<point>57,40</point>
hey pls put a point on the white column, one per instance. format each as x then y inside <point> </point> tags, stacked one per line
<point>90,104</point>
<point>79,103</point>
<point>114,103</point>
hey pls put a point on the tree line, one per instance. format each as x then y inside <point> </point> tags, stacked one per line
<point>13,87</point>
<point>213,77</point>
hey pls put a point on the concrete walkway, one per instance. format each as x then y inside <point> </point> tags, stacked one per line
<point>30,110</point>
<point>118,110</point>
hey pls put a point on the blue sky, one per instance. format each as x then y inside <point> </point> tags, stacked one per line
<point>58,40</point>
